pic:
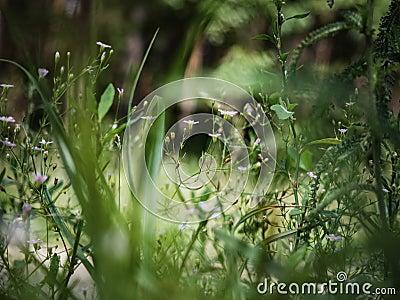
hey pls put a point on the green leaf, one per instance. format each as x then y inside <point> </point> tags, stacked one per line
<point>295,212</point>
<point>292,106</point>
<point>265,37</point>
<point>285,55</point>
<point>106,101</point>
<point>306,160</point>
<point>299,16</point>
<point>278,236</point>
<point>274,98</point>
<point>139,71</point>
<point>2,174</point>
<point>282,112</point>
<point>329,141</point>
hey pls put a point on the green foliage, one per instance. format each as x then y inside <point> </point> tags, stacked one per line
<point>333,205</point>
<point>106,101</point>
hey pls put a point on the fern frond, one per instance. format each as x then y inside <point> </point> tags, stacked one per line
<point>354,18</point>
<point>388,38</point>
<point>314,36</point>
<point>387,47</point>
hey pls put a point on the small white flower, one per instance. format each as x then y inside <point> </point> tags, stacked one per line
<point>214,136</point>
<point>103,45</point>
<point>42,72</point>
<point>120,91</point>
<point>8,143</point>
<point>148,117</point>
<point>351,103</point>
<point>191,122</point>
<point>257,142</point>
<point>228,113</point>
<point>44,142</point>
<point>184,226</point>
<point>385,190</point>
<point>311,174</point>
<point>39,178</point>
<point>244,168</point>
<point>33,242</point>
<point>6,85</point>
<point>7,119</point>
<point>342,130</point>
<point>333,238</point>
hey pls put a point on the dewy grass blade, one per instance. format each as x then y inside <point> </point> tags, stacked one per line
<point>135,82</point>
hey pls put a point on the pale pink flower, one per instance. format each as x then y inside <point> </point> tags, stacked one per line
<point>39,178</point>
<point>312,175</point>
<point>7,119</point>
<point>333,238</point>
<point>8,143</point>
<point>42,72</point>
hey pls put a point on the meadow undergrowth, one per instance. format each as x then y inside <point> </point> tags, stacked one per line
<point>71,228</point>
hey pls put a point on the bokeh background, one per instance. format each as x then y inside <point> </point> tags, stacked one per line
<point>196,37</point>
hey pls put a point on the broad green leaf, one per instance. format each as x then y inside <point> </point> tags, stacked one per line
<point>106,100</point>
<point>329,141</point>
<point>282,112</point>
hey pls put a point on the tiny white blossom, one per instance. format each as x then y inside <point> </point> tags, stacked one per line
<point>32,242</point>
<point>191,122</point>
<point>184,226</point>
<point>39,178</point>
<point>214,136</point>
<point>229,113</point>
<point>148,117</point>
<point>42,72</point>
<point>342,130</point>
<point>8,143</point>
<point>333,238</point>
<point>244,168</point>
<point>103,45</point>
<point>311,174</point>
<point>7,119</point>
<point>44,142</point>
<point>6,85</point>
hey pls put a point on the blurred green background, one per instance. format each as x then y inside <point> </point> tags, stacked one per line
<point>196,37</point>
